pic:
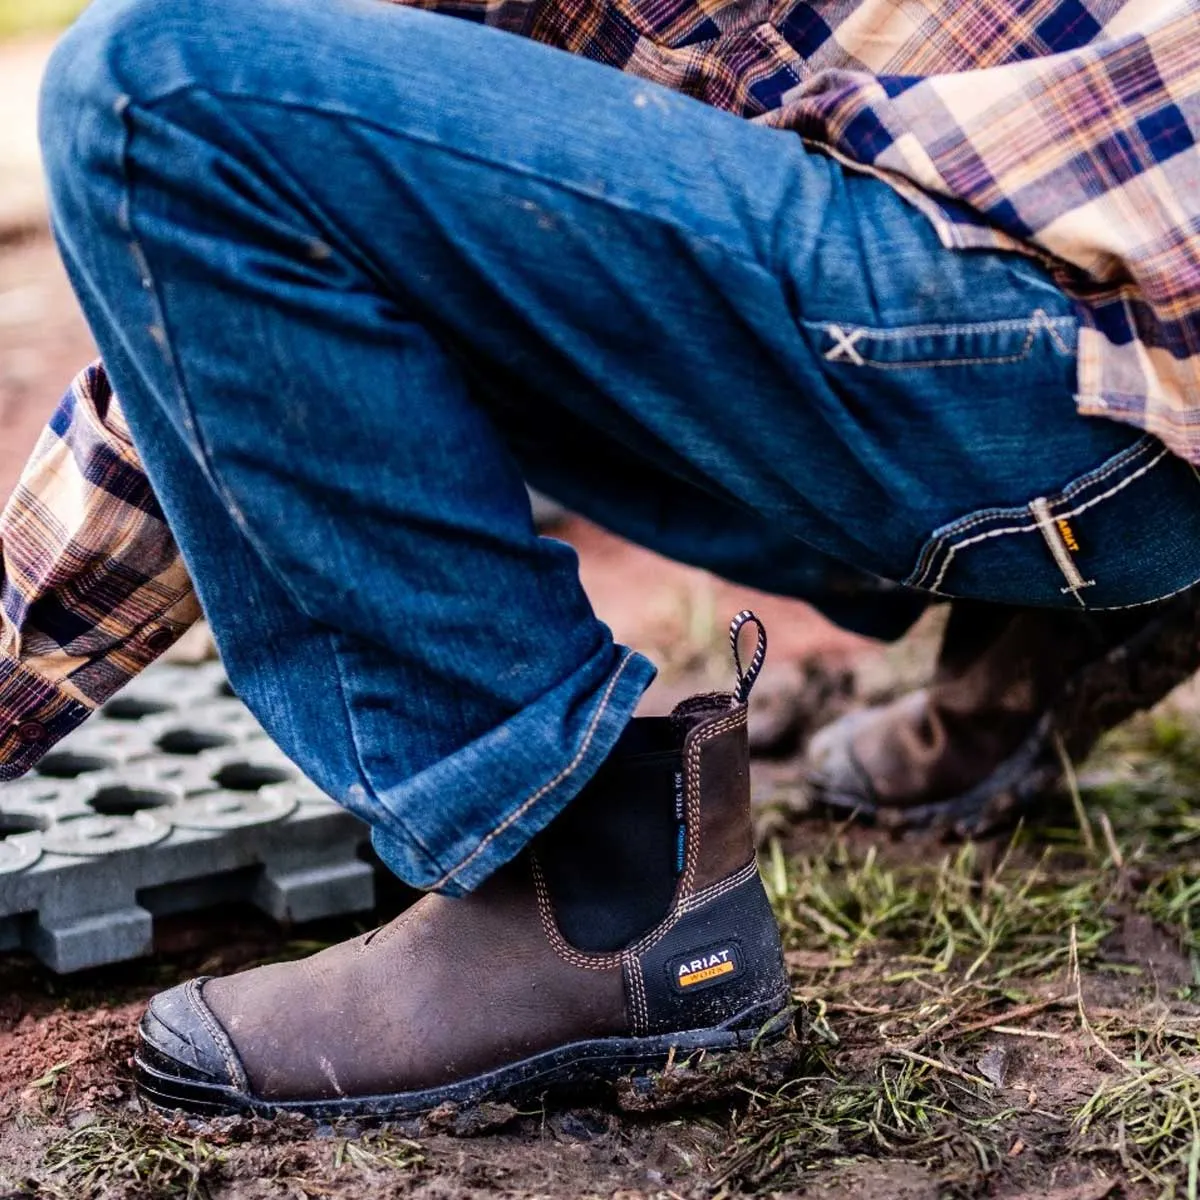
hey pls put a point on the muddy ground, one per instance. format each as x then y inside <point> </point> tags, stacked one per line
<point>906,1082</point>
<point>1013,1020</point>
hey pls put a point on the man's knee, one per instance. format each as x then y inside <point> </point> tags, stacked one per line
<point>120,52</point>
<point>82,91</point>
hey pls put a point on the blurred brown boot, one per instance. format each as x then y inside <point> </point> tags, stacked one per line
<point>970,751</point>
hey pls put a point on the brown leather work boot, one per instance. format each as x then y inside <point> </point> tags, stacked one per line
<point>634,932</point>
<point>972,750</point>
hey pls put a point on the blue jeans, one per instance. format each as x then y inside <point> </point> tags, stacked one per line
<point>359,271</point>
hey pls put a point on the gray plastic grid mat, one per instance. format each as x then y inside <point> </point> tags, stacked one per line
<point>171,798</point>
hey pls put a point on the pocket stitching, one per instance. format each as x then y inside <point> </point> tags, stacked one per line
<point>1120,485</point>
<point>938,539</point>
<point>846,338</point>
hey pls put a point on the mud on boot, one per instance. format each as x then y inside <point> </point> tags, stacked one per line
<point>633,934</point>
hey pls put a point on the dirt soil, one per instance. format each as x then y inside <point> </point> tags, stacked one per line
<point>69,1123</point>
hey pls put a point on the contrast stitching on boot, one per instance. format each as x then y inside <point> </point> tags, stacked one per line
<point>568,770</point>
<point>635,1024</point>
<point>642,999</point>
<point>717,890</point>
<point>692,768</point>
<point>1074,512</point>
<point>220,1038</point>
<point>563,948</point>
<point>641,979</point>
<point>605,962</point>
<point>736,721</point>
<point>639,1007</point>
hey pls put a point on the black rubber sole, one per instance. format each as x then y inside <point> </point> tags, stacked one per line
<point>1129,678</point>
<point>586,1068</point>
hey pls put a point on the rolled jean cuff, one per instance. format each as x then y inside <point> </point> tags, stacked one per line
<point>453,825</point>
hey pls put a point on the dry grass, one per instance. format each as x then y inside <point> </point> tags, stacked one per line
<point>1017,1018</point>
<point>1004,1016</point>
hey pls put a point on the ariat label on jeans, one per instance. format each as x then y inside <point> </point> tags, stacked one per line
<point>1068,534</point>
<point>704,968</point>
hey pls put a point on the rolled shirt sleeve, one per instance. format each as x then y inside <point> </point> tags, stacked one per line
<point>92,585</point>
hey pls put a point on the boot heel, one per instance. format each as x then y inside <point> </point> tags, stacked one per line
<point>718,966</point>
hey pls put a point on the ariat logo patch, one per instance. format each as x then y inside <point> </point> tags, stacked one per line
<point>705,968</point>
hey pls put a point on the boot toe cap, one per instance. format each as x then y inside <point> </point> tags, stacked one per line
<point>180,1038</point>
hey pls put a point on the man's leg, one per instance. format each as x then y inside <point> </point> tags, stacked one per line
<point>349,256</point>
<point>689,524</point>
<point>979,744</point>
<point>391,426</point>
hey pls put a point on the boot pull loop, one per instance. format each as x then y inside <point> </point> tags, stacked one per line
<point>747,678</point>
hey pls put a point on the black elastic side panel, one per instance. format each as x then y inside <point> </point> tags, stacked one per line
<point>610,858</point>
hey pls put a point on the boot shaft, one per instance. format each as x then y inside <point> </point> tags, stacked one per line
<point>653,870</point>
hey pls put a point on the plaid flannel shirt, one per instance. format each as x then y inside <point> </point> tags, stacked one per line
<point>1063,128</point>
